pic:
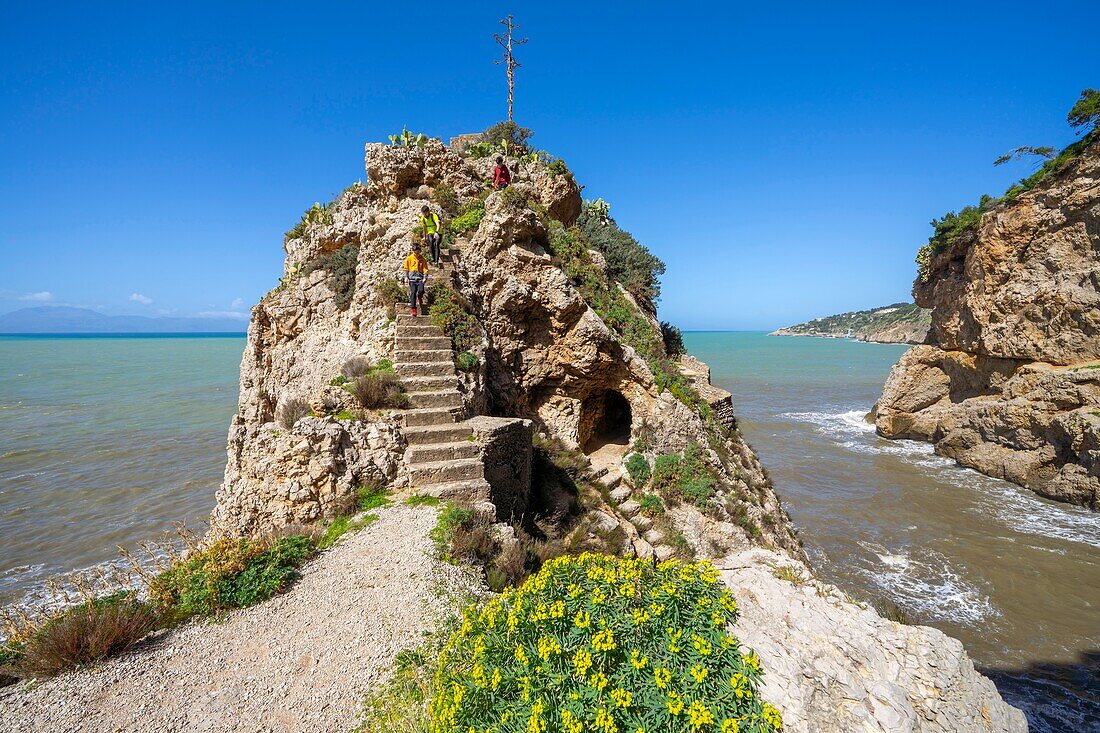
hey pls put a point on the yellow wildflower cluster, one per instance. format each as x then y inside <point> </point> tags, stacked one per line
<point>598,643</point>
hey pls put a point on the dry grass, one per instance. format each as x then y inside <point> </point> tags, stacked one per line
<point>291,411</point>
<point>379,389</point>
<point>87,634</point>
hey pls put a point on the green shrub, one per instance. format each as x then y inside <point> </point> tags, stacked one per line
<point>450,312</point>
<point>83,635</point>
<point>515,197</point>
<point>340,266</point>
<point>341,526</point>
<point>468,217</point>
<point>1086,111</point>
<point>559,168</point>
<point>507,137</point>
<point>444,195</point>
<point>652,505</point>
<point>389,291</point>
<point>467,361</point>
<point>638,468</point>
<point>674,340</point>
<point>628,261</point>
<point>666,471</point>
<point>599,643</point>
<point>228,574</point>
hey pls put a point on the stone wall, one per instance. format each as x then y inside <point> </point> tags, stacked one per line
<point>506,449</point>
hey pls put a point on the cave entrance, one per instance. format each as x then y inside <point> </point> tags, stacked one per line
<point>605,422</point>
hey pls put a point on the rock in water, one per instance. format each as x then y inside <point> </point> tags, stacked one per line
<point>1007,382</point>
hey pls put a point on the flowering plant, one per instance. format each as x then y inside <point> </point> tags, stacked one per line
<point>598,643</point>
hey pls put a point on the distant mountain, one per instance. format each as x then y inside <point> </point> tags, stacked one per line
<point>900,323</point>
<point>63,319</point>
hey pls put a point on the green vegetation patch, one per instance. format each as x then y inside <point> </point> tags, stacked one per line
<point>601,643</point>
<point>340,266</point>
<point>628,261</point>
<point>469,216</point>
<point>685,476</point>
<point>638,468</point>
<point>466,361</point>
<point>452,313</point>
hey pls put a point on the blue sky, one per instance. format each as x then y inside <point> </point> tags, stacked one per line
<point>783,159</point>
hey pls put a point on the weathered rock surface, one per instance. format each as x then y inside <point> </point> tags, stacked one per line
<point>832,665</point>
<point>1005,385</point>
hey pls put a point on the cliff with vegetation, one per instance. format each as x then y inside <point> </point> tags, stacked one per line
<point>900,323</point>
<point>539,442</point>
<point>1009,380</point>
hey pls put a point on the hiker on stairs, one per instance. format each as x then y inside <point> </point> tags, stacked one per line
<point>416,274</point>
<point>433,232</point>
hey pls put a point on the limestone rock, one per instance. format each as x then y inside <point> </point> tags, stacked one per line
<point>887,677</point>
<point>1005,384</point>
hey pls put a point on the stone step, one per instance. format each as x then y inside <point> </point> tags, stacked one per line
<point>654,536</point>
<point>431,355</point>
<point>429,416</point>
<point>422,343</point>
<point>445,398</point>
<point>434,383</point>
<point>416,331</point>
<point>629,508</point>
<point>620,494</point>
<point>406,318</point>
<point>461,492</point>
<point>430,453</point>
<point>641,521</point>
<point>663,552</point>
<point>447,433</point>
<point>412,369</point>
<point>440,472</point>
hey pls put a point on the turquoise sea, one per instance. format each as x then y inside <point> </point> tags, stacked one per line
<point>108,441</point>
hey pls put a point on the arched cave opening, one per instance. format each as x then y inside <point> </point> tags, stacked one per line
<point>605,420</point>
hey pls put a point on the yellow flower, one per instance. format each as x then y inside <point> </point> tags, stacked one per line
<point>656,608</point>
<point>640,616</point>
<point>730,726</point>
<point>582,620</point>
<point>772,717</point>
<point>479,676</point>
<point>521,656</point>
<point>727,602</point>
<point>626,590</point>
<point>699,715</point>
<point>701,645</point>
<point>599,681</point>
<point>662,676</point>
<point>637,659</point>
<point>536,723</point>
<point>598,596</point>
<point>557,609</point>
<point>582,661</point>
<point>703,602</point>
<point>698,673</point>
<point>674,639</point>
<point>604,641</point>
<point>752,661</point>
<point>548,647</point>
<point>622,698</point>
<point>494,681</point>
<point>674,704</point>
<point>604,722</point>
<point>570,723</point>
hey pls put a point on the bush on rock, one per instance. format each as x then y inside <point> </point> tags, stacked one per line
<point>598,643</point>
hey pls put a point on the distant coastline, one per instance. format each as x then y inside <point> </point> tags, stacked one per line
<point>134,335</point>
<point>65,320</point>
<point>899,323</point>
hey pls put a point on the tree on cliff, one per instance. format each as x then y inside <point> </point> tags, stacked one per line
<point>1086,113</point>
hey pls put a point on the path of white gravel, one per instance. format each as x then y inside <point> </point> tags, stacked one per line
<point>302,661</point>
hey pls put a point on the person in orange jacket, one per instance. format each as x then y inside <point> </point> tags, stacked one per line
<point>416,275</point>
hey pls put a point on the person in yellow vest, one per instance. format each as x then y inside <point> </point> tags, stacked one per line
<point>433,232</point>
<point>416,274</point>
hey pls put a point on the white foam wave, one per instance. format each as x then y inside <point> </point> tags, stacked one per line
<point>928,586</point>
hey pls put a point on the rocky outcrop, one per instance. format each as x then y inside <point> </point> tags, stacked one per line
<point>1005,384</point>
<point>888,678</point>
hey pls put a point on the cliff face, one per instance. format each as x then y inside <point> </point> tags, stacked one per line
<point>545,354</point>
<point>1004,384</point>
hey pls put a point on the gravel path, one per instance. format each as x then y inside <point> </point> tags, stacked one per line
<point>302,661</point>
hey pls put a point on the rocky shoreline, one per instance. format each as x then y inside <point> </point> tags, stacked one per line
<point>1008,382</point>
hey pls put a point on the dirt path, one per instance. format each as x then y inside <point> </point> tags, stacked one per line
<point>302,661</point>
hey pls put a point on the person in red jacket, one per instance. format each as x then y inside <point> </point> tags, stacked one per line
<point>501,175</point>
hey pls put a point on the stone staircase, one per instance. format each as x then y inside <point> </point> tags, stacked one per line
<point>652,540</point>
<point>443,455</point>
